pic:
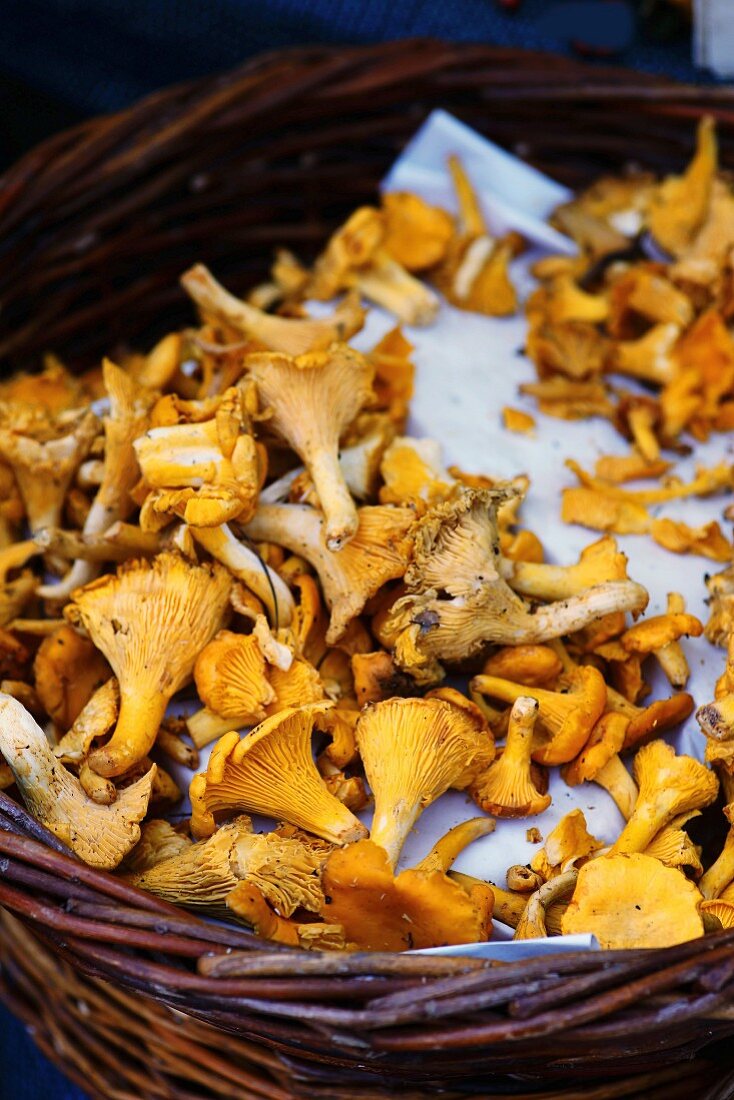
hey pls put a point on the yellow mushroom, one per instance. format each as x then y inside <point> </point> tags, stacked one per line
<point>130,406</point>
<point>202,875</point>
<point>380,911</point>
<point>414,474</point>
<point>566,717</point>
<point>649,357</point>
<point>413,750</point>
<point>231,680</point>
<point>599,562</point>
<point>458,600</point>
<point>679,205</point>
<point>271,771</point>
<point>377,553</point>
<point>633,901</point>
<point>568,845</point>
<point>720,874</point>
<point>151,620</point>
<point>507,787</point>
<point>314,398</point>
<point>211,468</point>
<point>669,785</point>
<point>291,335</point>
<point>159,841</point>
<point>68,669</point>
<point>534,665</point>
<point>448,847</point>
<point>248,903</point>
<point>100,835</point>
<point>599,762</point>
<point>532,924</point>
<point>417,234</point>
<point>44,467</point>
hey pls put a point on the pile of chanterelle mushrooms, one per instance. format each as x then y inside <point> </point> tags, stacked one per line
<point>235,524</point>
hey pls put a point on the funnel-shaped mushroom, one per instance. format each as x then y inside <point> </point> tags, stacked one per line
<point>680,204</point>
<point>415,909</point>
<point>130,406</point>
<point>378,552</point>
<point>100,835</point>
<point>203,874</point>
<point>151,621</point>
<point>413,750</point>
<point>599,762</point>
<point>566,717</point>
<point>271,771</point>
<point>507,787</point>
<point>633,901</point>
<point>669,785</point>
<point>458,601</point>
<point>314,398</point>
<point>43,468</point>
<point>291,335</point>
<point>210,467</point>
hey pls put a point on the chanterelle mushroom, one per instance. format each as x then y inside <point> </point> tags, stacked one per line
<point>211,468</point>
<point>669,785</point>
<point>414,909</point>
<point>151,620</point>
<point>633,901</point>
<point>458,601</point>
<point>314,398</point>
<point>100,835</point>
<point>413,750</point>
<point>272,772</point>
<point>291,335</point>
<point>202,875</point>
<point>378,552</point>
<point>130,406</point>
<point>507,787</point>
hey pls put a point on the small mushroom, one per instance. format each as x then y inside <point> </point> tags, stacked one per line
<point>249,904</point>
<point>633,901</point>
<point>151,620</point>
<point>100,835</point>
<point>314,398</point>
<point>272,772</point>
<point>130,406</point>
<point>669,785</point>
<point>68,669</point>
<point>413,750</point>
<point>599,762</point>
<point>532,924</point>
<point>534,665</point>
<point>678,205</point>
<point>507,788</point>
<point>600,562</point>
<point>412,910</point>
<point>377,553</point>
<point>203,874</point>
<point>414,475</point>
<point>567,847</point>
<point>290,335</point>
<point>566,717</point>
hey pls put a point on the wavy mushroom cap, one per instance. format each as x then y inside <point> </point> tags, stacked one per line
<point>272,772</point>
<point>413,750</point>
<point>151,620</point>
<point>633,901</point>
<point>669,785</point>
<point>678,205</point>
<point>415,909</point>
<point>533,665</point>
<point>158,842</point>
<point>68,669</point>
<point>230,677</point>
<point>313,399</point>
<point>379,552</point>
<point>413,474</point>
<point>100,835</point>
<point>567,846</point>
<point>508,788</point>
<point>417,234</point>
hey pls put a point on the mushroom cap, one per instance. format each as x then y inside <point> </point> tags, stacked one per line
<point>605,741</point>
<point>633,901</point>
<point>567,846</point>
<point>657,718</point>
<point>231,679</point>
<point>508,788</point>
<point>68,669</point>
<point>417,234</point>
<point>660,630</point>
<point>158,842</point>
<point>272,772</point>
<point>532,665</point>
<point>414,474</point>
<point>295,686</point>
<point>413,750</point>
<point>721,909</point>
<point>678,205</point>
<point>415,909</point>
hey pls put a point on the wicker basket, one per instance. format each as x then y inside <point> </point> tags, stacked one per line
<point>133,997</point>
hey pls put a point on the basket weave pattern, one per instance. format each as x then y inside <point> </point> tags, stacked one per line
<point>95,227</point>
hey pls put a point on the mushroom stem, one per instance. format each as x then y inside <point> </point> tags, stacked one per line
<point>569,615</point>
<point>721,873</point>
<point>205,726</point>
<point>452,844</point>
<point>617,781</point>
<point>138,714</point>
<point>532,924</point>
<point>717,719</point>
<point>340,513</point>
<point>248,567</point>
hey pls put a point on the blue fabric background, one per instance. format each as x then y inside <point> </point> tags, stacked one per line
<point>63,59</point>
